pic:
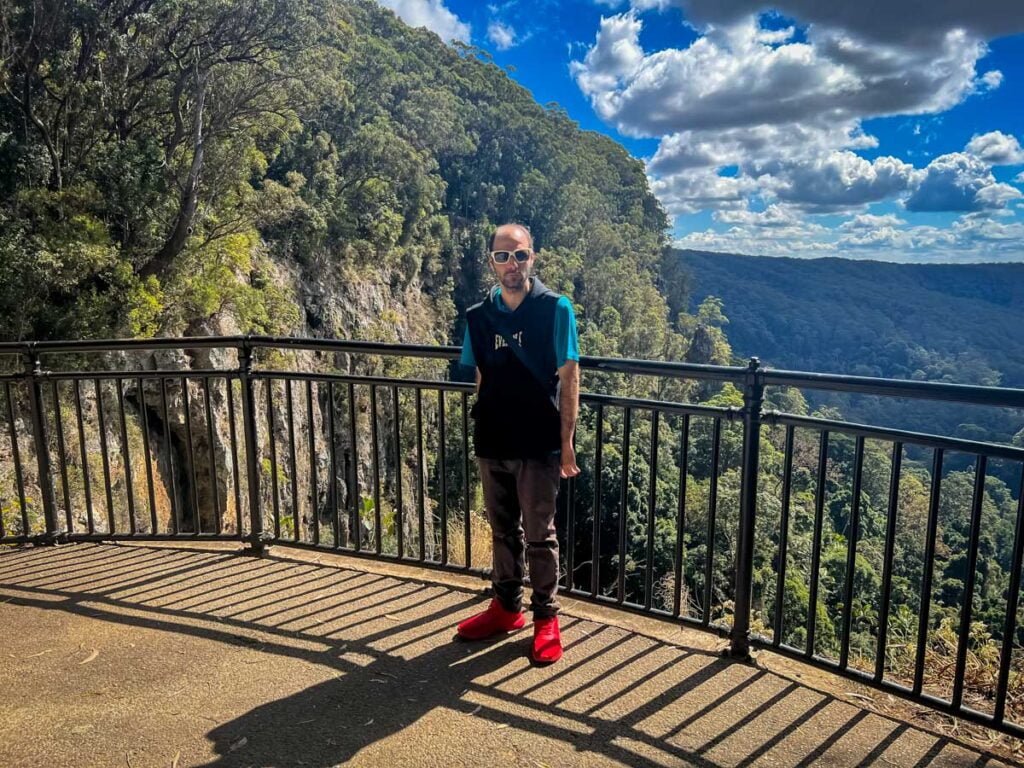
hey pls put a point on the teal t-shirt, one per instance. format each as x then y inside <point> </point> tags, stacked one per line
<point>567,346</point>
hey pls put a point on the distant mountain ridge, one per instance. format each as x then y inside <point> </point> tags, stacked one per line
<point>961,323</point>
<point>840,315</point>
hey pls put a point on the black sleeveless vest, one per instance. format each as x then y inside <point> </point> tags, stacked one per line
<point>515,414</point>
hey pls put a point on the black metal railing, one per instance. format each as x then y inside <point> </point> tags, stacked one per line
<point>755,523</point>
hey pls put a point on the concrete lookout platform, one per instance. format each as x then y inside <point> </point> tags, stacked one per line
<point>194,655</point>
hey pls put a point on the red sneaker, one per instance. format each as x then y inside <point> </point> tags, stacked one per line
<point>492,621</point>
<point>547,640</point>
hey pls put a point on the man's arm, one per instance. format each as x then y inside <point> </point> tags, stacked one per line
<point>478,381</point>
<point>569,408</point>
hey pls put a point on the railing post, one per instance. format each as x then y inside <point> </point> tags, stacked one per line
<point>257,537</point>
<point>34,379</point>
<point>753,399</point>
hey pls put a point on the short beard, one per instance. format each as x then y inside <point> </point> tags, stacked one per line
<point>522,279</point>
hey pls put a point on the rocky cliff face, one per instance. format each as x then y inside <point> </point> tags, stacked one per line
<point>188,427</point>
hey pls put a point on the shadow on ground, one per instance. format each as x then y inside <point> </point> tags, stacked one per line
<point>150,656</point>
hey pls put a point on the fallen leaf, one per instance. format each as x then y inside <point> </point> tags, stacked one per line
<point>90,657</point>
<point>368,722</point>
<point>499,727</point>
<point>33,655</point>
<point>391,617</point>
<point>378,680</point>
<point>478,708</point>
<point>860,696</point>
<point>238,744</point>
<point>174,762</point>
<point>80,729</point>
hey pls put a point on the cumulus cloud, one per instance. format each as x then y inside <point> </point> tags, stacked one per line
<point>996,148</point>
<point>898,22</point>
<point>431,14</point>
<point>992,79</point>
<point>872,221</point>
<point>702,189</point>
<point>959,182</point>
<point>502,35</point>
<point>747,112</point>
<point>839,181</point>
<point>739,76</point>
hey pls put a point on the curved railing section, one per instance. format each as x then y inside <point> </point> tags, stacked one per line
<point>888,556</point>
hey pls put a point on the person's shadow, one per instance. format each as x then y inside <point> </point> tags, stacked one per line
<point>328,723</point>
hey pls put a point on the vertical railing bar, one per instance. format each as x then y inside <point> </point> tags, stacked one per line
<point>190,456</point>
<point>314,490</point>
<point>627,426</point>
<point>420,477</point>
<point>819,514</point>
<point>679,556</point>
<point>595,553</point>
<point>1012,602</point>
<point>750,470</point>
<point>165,412</point>
<point>257,535</point>
<point>355,531</point>
<point>332,488</point>
<point>570,524</point>
<point>104,453</point>
<point>375,446</point>
<point>442,463</point>
<point>787,492</point>
<point>233,433</point>
<point>890,548</point>
<point>16,456</point>
<point>275,491</point>
<point>465,480</point>
<point>709,558</point>
<point>399,515</point>
<point>964,637</point>
<point>62,455</point>
<point>147,454</point>
<point>34,382</point>
<point>126,457</point>
<point>929,567</point>
<point>853,531</point>
<point>218,523</point>
<point>294,479</point>
<point>652,501</point>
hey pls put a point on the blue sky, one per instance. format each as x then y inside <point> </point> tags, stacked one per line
<point>804,128</point>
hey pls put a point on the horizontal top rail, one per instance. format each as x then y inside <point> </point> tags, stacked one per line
<point>995,450</point>
<point>1003,397</point>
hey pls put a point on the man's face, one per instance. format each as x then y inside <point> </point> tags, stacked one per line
<point>513,275</point>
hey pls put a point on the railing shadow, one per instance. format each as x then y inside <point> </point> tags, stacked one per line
<point>398,686</point>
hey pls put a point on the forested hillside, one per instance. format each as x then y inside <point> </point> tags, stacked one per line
<point>943,322</point>
<point>184,167</point>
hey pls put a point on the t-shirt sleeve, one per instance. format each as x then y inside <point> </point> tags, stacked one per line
<point>467,358</point>
<point>567,346</point>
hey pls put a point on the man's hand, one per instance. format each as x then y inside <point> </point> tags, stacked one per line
<point>569,467</point>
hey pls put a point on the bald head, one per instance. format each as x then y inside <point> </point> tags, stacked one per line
<point>510,237</point>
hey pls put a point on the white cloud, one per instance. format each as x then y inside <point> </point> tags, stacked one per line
<point>996,148</point>
<point>872,221</point>
<point>431,14</point>
<point>736,76</point>
<point>959,182</point>
<point>839,181</point>
<point>992,79</point>
<point>502,35</point>
<point>917,24</point>
<point>702,189</point>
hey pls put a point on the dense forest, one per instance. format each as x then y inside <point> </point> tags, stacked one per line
<point>315,167</point>
<point>956,323</point>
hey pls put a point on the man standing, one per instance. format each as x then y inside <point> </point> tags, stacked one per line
<point>522,341</point>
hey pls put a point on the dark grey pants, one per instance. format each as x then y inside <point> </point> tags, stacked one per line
<point>519,495</point>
